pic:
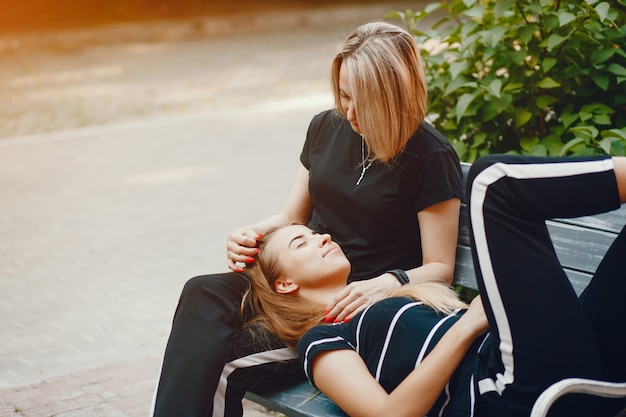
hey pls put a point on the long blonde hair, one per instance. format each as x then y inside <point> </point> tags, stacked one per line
<point>289,316</point>
<point>434,295</point>
<point>388,86</point>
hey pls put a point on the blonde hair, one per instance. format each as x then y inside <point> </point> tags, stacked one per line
<point>388,86</point>
<point>434,295</point>
<point>286,316</point>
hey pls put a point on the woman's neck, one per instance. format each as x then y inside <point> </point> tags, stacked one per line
<point>323,295</point>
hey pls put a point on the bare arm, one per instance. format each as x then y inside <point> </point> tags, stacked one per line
<point>439,228</point>
<point>241,243</point>
<point>343,376</point>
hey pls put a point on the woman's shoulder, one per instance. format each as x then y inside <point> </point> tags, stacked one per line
<point>327,119</point>
<point>428,138</point>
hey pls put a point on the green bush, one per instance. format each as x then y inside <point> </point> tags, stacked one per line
<point>525,76</point>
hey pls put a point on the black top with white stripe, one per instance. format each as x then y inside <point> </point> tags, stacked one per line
<point>393,336</point>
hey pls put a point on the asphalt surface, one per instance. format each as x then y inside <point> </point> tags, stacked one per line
<point>127,155</point>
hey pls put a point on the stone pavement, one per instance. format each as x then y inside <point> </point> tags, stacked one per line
<point>125,160</point>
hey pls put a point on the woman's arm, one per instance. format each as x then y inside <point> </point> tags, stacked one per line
<point>343,376</point>
<point>439,228</point>
<point>241,244</point>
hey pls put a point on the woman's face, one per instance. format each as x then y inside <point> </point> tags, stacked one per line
<point>307,258</point>
<point>345,93</point>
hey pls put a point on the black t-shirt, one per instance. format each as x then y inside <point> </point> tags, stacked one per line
<point>393,336</point>
<point>375,222</point>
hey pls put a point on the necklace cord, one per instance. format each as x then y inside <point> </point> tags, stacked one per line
<point>363,166</point>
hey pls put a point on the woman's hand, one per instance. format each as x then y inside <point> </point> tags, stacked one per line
<point>241,248</point>
<point>359,295</point>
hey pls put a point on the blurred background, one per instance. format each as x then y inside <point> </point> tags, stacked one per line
<point>63,14</point>
<point>134,136</point>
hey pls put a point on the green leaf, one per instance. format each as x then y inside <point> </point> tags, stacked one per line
<point>603,10</point>
<point>544,101</point>
<point>555,40</point>
<point>454,85</point>
<point>617,148</point>
<point>550,21</point>
<point>528,143</point>
<point>585,131</point>
<point>461,106</point>
<point>617,69</point>
<point>548,63</point>
<point>569,145</point>
<point>494,87</point>
<point>614,133</point>
<point>489,112</point>
<point>468,28</point>
<point>479,139</point>
<point>597,108</point>
<point>525,33</point>
<point>539,150</point>
<point>601,80</point>
<point>494,36</point>
<point>502,7</point>
<point>522,116</point>
<point>460,148</point>
<point>456,68</point>
<point>605,144</point>
<point>569,118</point>
<point>565,18</point>
<point>548,83</point>
<point>476,12</point>
<point>602,120</point>
<point>502,102</point>
<point>553,144</point>
<point>602,55</point>
<point>512,86</point>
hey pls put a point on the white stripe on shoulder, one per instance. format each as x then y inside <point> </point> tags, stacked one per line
<point>312,345</point>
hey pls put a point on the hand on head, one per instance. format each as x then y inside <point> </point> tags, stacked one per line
<point>241,248</point>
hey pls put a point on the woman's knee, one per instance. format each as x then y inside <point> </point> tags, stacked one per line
<point>223,291</point>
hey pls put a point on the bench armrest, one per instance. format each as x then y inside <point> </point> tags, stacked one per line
<point>576,385</point>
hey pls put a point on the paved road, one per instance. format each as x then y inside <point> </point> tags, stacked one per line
<point>127,154</point>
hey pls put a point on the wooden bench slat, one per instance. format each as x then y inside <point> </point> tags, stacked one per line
<point>300,400</point>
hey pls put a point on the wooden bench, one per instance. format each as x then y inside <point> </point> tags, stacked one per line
<point>580,245</point>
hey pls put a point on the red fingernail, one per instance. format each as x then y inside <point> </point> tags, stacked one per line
<point>249,260</point>
<point>326,311</point>
<point>346,320</point>
<point>259,236</point>
<point>239,270</point>
<point>327,320</point>
<point>336,321</point>
<point>256,251</point>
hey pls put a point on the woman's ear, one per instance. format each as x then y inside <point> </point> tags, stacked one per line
<point>285,286</point>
